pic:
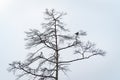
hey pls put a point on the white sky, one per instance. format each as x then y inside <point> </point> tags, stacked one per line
<point>100,18</point>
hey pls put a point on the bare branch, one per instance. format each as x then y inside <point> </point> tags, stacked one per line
<point>66,47</point>
<point>19,66</point>
<point>78,59</point>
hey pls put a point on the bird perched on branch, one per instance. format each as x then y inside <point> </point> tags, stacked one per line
<point>77,33</point>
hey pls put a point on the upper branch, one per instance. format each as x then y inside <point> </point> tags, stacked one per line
<point>66,47</point>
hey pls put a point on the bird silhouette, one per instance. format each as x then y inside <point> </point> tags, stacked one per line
<point>77,33</point>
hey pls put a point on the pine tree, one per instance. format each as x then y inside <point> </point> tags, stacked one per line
<point>45,63</point>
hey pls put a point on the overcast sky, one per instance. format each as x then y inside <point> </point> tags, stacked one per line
<point>100,18</point>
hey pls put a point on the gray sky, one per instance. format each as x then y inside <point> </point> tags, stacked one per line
<point>100,18</point>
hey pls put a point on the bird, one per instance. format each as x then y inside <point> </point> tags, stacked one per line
<point>77,33</point>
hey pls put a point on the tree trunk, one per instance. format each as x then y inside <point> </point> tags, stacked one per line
<point>56,51</point>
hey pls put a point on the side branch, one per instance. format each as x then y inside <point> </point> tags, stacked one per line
<point>48,46</point>
<point>78,59</point>
<point>66,47</point>
<point>31,60</point>
<point>28,72</point>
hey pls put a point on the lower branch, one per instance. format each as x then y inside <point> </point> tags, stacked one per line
<point>28,72</point>
<point>78,59</point>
